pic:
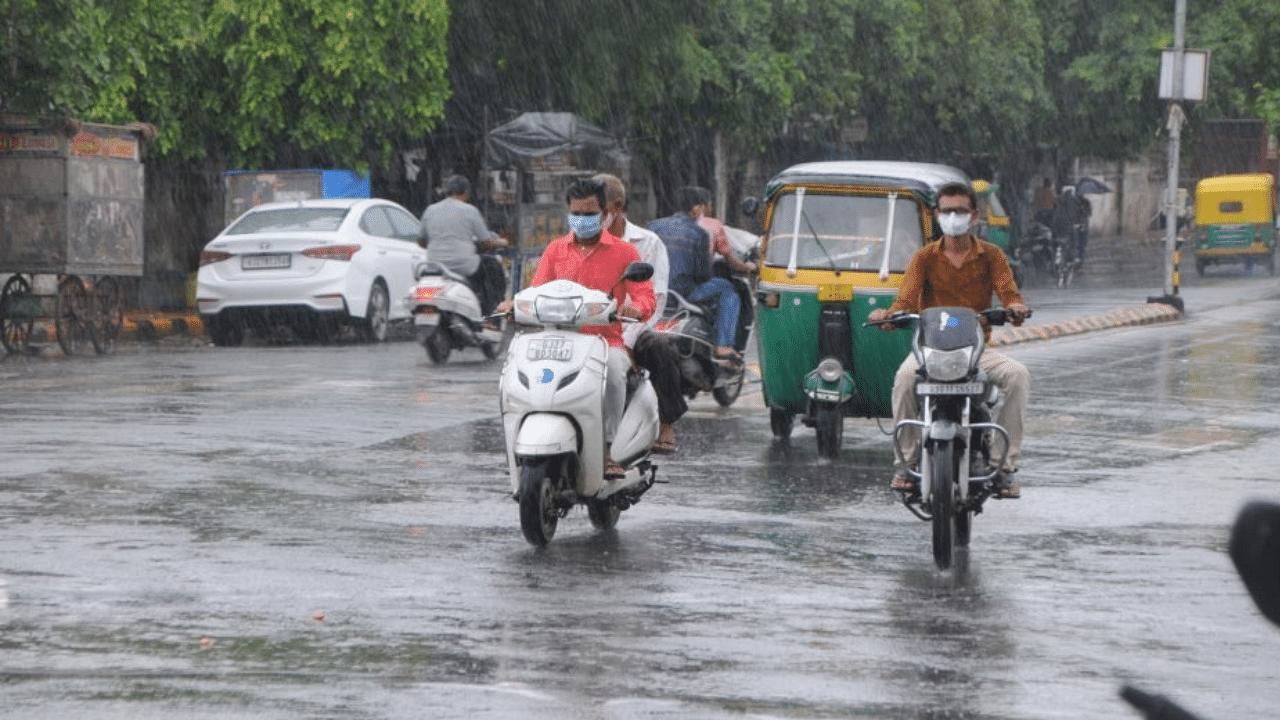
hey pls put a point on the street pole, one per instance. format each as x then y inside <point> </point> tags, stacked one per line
<point>1175,143</point>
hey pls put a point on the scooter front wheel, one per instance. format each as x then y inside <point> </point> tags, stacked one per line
<point>538,513</point>
<point>603,514</point>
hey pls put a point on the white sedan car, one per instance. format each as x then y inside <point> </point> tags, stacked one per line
<point>313,265</point>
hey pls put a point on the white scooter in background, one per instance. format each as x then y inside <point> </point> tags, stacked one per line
<point>552,399</point>
<point>446,314</point>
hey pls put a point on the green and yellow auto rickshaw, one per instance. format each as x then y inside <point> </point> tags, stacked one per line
<point>837,238</point>
<point>1235,221</point>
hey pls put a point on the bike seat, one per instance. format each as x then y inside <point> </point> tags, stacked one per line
<point>677,305</point>
<point>434,268</point>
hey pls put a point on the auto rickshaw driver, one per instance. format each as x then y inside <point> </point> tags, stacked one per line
<point>959,270</point>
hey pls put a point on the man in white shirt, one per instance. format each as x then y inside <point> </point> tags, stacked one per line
<point>652,350</point>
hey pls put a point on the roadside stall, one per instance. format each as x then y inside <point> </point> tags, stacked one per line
<point>71,223</point>
<point>529,163</point>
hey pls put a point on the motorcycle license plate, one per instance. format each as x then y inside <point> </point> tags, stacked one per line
<point>549,349</point>
<point>973,388</point>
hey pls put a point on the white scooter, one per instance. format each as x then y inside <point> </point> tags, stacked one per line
<point>446,313</point>
<point>552,400</point>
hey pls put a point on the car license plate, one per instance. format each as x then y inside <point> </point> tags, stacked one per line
<point>973,388</point>
<point>550,349</point>
<point>265,262</point>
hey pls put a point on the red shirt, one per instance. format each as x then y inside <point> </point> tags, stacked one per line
<point>599,267</point>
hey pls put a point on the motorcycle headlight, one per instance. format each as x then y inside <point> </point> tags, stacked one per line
<point>830,370</point>
<point>947,365</point>
<point>556,310</point>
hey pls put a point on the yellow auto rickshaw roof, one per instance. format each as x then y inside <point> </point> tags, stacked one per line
<point>1227,183</point>
<point>1235,199</point>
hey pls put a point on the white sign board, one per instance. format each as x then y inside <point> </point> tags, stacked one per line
<point>1195,74</point>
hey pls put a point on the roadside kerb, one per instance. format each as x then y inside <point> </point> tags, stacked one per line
<point>1133,315</point>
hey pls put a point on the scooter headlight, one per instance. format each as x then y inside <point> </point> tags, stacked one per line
<point>947,365</point>
<point>556,310</point>
<point>830,370</point>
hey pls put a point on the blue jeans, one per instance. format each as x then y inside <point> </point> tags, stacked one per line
<point>727,307</point>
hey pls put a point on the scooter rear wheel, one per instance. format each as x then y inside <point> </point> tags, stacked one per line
<point>438,346</point>
<point>603,514</point>
<point>538,513</point>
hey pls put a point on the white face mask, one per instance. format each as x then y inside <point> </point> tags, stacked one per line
<point>954,224</point>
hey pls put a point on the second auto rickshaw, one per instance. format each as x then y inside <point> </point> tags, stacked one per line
<point>837,239</point>
<point>1235,221</point>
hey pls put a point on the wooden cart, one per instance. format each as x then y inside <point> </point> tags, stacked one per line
<point>71,223</point>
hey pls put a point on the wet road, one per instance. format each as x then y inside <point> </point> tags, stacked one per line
<point>299,532</point>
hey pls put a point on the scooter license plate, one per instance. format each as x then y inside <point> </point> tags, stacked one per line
<point>549,349</point>
<point>972,388</point>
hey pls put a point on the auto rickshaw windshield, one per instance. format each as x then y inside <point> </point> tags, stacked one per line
<point>844,232</point>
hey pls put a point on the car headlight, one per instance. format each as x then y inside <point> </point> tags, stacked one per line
<point>556,310</point>
<point>830,370</point>
<point>947,365</point>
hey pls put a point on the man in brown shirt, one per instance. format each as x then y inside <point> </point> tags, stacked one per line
<point>962,271</point>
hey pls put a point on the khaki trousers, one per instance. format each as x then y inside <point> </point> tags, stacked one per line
<point>1008,374</point>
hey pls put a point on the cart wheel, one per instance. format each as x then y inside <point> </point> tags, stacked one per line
<point>108,315</point>
<point>17,314</point>
<point>74,316</point>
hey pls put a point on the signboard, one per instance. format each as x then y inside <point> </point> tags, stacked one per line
<point>1195,74</point>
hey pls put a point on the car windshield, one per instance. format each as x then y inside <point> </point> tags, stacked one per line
<point>292,219</point>
<point>844,232</point>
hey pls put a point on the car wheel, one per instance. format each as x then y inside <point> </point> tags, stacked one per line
<point>377,317</point>
<point>224,331</point>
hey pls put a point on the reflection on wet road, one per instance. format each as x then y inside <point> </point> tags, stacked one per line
<point>324,533</point>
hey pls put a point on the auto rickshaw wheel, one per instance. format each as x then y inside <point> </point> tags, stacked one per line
<point>781,422</point>
<point>828,420</point>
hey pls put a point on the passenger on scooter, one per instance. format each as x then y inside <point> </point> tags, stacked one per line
<point>651,350</point>
<point>592,256</point>
<point>720,244</point>
<point>960,271</point>
<point>689,250</point>
<point>455,235</point>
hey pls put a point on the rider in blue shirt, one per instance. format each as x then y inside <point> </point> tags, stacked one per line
<point>689,250</point>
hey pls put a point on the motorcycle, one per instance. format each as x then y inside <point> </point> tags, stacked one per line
<point>447,315</point>
<point>1049,256</point>
<point>552,401</point>
<point>957,471</point>
<point>693,328</point>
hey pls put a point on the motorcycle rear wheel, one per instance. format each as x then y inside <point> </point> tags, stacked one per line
<point>942,461</point>
<point>538,513</point>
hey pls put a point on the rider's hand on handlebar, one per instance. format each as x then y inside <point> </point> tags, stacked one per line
<point>630,311</point>
<point>1018,313</point>
<point>880,314</point>
<point>504,308</point>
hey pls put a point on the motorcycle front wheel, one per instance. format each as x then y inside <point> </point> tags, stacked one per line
<point>942,506</point>
<point>538,513</point>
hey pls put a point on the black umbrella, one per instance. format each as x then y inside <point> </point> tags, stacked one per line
<point>1090,186</point>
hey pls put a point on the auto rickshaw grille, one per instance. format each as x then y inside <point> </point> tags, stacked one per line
<point>835,335</point>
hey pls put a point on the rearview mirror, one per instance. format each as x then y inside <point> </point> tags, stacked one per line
<point>750,206</point>
<point>638,272</point>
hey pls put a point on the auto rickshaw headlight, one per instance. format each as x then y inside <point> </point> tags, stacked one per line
<point>830,370</point>
<point>947,365</point>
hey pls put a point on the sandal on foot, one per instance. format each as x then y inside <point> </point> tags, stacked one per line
<point>1008,491</point>
<point>613,471</point>
<point>665,447</point>
<point>902,483</point>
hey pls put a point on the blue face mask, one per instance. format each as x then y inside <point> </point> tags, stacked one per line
<point>585,226</point>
